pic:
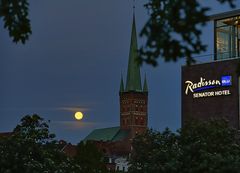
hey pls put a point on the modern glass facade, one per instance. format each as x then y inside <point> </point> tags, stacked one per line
<point>227,38</point>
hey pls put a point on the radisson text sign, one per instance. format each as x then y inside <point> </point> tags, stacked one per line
<point>203,84</point>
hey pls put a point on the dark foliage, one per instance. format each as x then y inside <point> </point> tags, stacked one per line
<point>173,30</point>
<point>199,147</point>
<point>31,149</point>
<point>15,17</point>
<point>90,158</point>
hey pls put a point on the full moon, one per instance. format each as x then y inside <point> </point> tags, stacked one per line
<point>78,115</point>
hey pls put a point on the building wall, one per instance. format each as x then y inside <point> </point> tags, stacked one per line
<point>117,148</point>
<point>211,103</point>
<point>122,164</point>
<point>116,152</point>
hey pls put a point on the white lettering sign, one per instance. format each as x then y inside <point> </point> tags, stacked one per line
<point>212,93</point>
<point>202,83</point>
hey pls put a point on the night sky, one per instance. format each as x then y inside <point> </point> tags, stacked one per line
<point>73,62</point>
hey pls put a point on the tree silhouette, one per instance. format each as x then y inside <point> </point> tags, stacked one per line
<point>15,16</point>
<point>31,148</point>
<point>173,30</point>
<point>198,147</point>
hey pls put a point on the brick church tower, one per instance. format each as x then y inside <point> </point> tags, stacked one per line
<point>133,97</point>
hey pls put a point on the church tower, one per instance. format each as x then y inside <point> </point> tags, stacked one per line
<point>133,97</point>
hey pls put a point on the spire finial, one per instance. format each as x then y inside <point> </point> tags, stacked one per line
<point>133,6</point>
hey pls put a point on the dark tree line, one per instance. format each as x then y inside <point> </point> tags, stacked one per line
<point>211,147</point>
<point>199,147</point>
<point>33,149</point>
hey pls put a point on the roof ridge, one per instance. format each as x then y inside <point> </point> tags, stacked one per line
<point>116,134</point>
<point>120,132</point>
<point>107,128</point>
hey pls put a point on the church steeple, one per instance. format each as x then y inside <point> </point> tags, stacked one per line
<point>121,85</point>
<point>134,99</point>
<point>145,87</point>
<point>133,74</point>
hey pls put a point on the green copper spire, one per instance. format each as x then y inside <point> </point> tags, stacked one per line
<point>145,87</point>
<point>133,75</point>
<point>121,85</point>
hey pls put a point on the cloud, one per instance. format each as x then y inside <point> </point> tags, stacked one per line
<point>74,109</point>
<point>65,108</point>
<point>76,125</point>
<point>73,125</point>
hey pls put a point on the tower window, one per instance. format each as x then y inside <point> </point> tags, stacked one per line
<point>136,121</point>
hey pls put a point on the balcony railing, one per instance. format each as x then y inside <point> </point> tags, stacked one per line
<point>200,59</point>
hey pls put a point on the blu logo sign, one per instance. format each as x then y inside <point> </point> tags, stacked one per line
<point>226,80</point>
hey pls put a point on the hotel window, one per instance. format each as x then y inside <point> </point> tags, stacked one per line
<point>227,38</point>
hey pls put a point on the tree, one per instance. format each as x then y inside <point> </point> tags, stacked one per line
<point>173,30</point>
<point>32,149</point>
<point>90,158</point>
<point>198,147</point>
<point>15,16</point>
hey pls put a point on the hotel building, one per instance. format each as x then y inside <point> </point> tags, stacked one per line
<point>211,89</point>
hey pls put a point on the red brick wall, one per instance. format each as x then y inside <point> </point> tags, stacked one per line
<point>134,111</point>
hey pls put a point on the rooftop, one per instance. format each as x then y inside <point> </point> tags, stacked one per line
<point>225,14</point>
<point>107,134</point>
<point>6,134</point>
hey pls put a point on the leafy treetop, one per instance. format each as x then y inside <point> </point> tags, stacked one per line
<point>32,149</point>
<point>15,17</point>
<point>173,30</point>
<point>198,147</point>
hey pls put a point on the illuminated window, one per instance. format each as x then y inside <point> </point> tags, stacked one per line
<point>227,40</point>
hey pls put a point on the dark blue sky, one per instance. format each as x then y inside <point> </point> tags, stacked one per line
<point>73,62</point>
